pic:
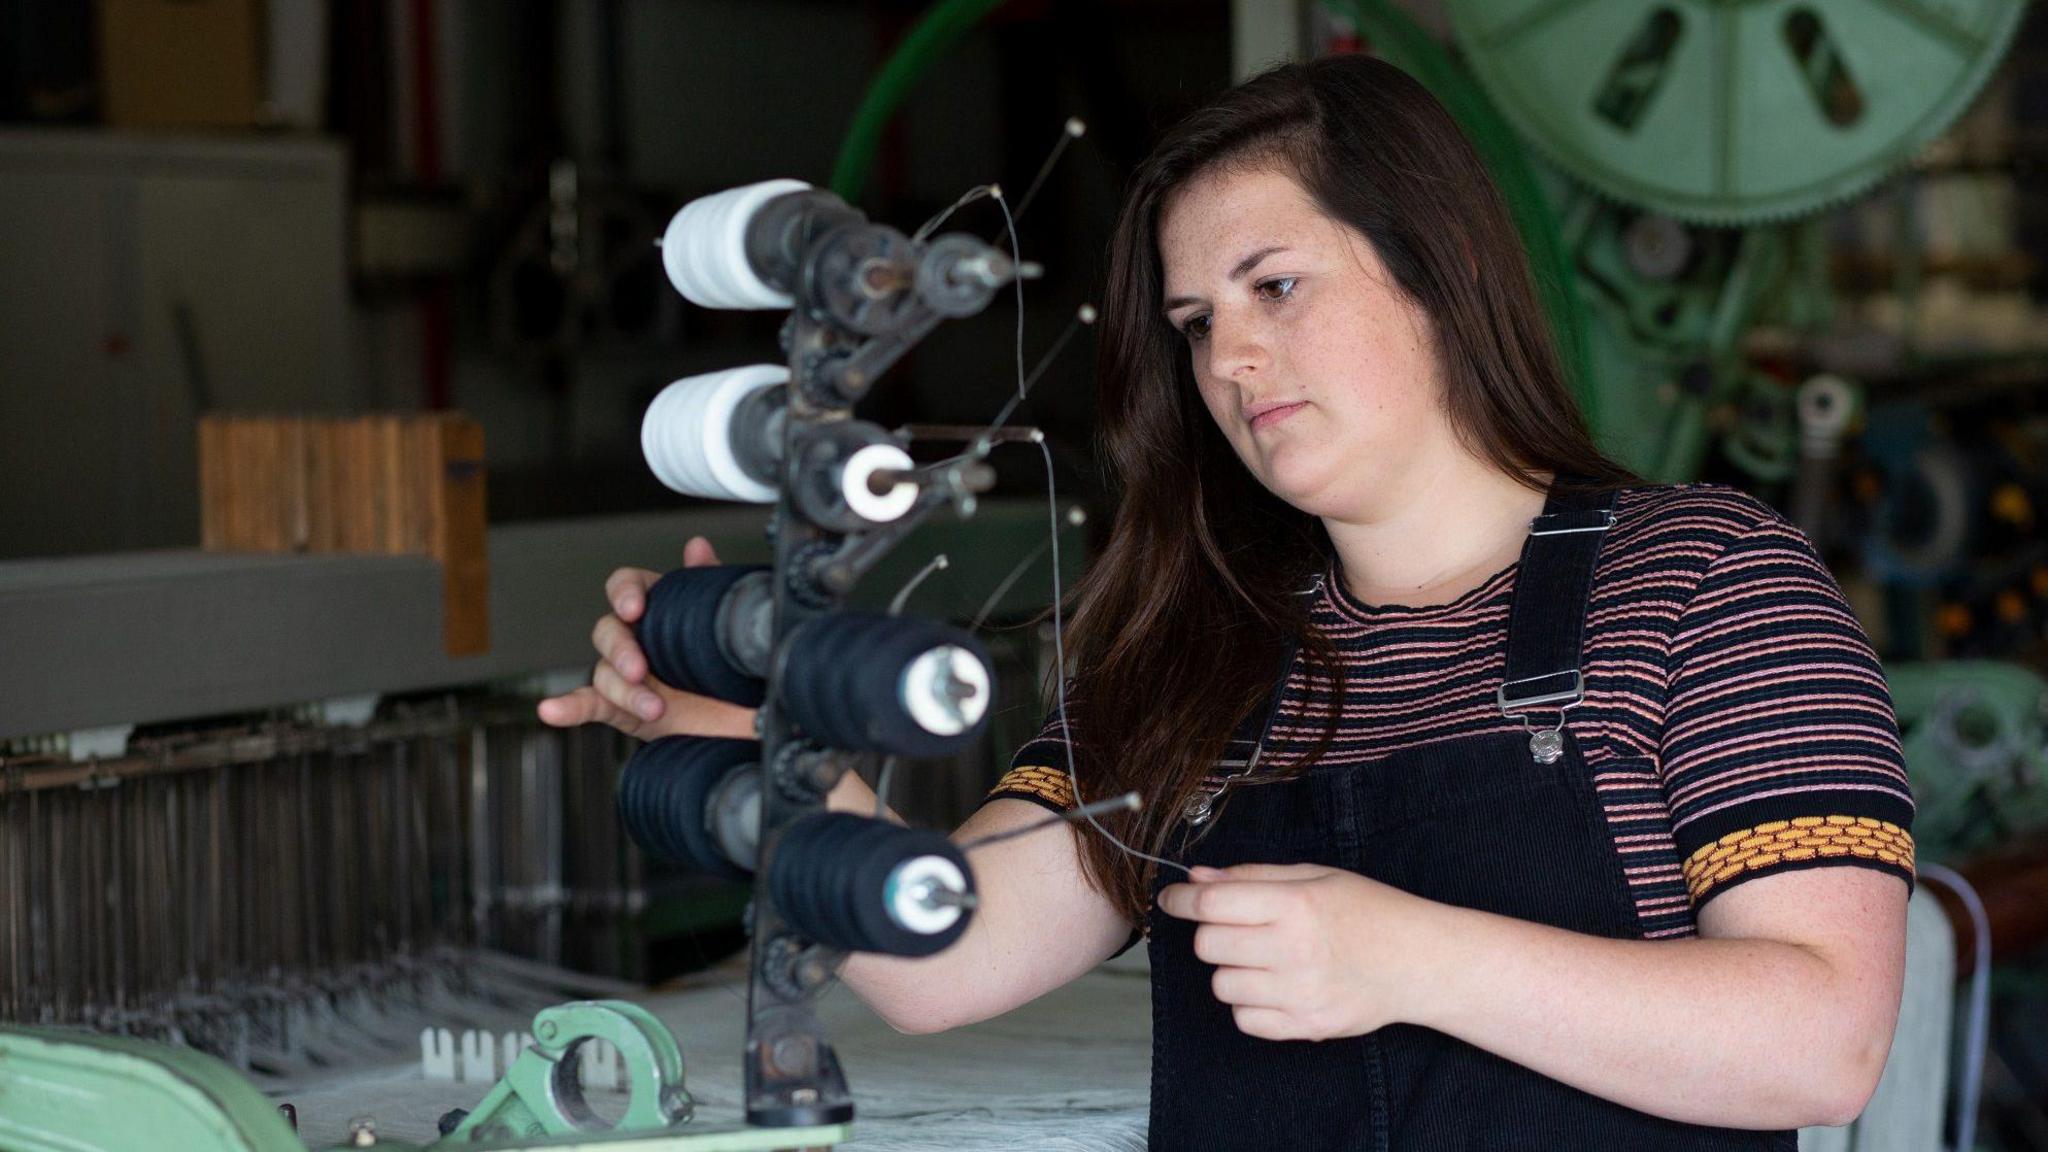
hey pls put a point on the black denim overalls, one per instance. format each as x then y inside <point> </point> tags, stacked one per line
<point>1480,822</point>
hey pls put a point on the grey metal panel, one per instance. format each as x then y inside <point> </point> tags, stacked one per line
<point>153,636</point>
<point>150,278</point>
<point>187,639</point>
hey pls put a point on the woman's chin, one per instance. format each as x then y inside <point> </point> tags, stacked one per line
<point>1314,493</point>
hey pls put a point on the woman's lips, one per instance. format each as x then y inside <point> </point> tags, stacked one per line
<point>1275,415</point>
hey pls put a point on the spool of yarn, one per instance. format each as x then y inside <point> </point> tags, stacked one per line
<point>689,440</point>
<point>875,683</point>
<point>704,249</point>
<point>865,885</point>
<point>681,633</point>
<point>695,800</point>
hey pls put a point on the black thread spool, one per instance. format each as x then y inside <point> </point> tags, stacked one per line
<point>859,884</point>
<point>681,633</point>
<point>875,683</point>
<point>687,798</point>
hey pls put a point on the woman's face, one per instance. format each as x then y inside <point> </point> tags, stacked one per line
<point>1320,372</point>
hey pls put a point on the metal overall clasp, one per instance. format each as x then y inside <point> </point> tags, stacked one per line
<point>1546,745</point>
<point>1201,806</point>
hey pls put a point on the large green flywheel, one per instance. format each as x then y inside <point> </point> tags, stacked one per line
<point>1732,111</point>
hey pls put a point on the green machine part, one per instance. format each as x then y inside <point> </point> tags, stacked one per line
<point>63,1091</point>
<point>1976,743</point>
<point>542,1093</point>
<point>1688,146</point>
<point>1732,112</point>
<point>1705,137</point>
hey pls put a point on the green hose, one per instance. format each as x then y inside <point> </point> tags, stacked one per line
<point>942,27</point>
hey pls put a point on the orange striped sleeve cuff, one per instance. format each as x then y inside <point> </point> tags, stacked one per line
<point>1800,842</point>
<point>1049,787</point>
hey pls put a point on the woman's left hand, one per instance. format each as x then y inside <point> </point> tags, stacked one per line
<point>1304,952</point>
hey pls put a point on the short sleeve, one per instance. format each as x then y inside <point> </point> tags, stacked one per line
<point>1038,772</point>
<point>1780,748</point>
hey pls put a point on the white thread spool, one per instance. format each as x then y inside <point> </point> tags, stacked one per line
<point>860,469</point>
<point>687,434</point>
<point>704,250</point>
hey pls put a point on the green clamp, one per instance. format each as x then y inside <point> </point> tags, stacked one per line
<point>542,1093</point>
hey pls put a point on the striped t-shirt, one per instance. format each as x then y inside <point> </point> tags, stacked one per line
<point>1736,722</point>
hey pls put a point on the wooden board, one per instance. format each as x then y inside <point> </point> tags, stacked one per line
<point>392,484</point>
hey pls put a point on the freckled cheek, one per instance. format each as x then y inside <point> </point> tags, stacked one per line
<point>1213,400</point>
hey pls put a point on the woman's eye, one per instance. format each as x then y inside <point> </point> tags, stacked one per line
<point>1278,288</point>
<point>1196,328</point>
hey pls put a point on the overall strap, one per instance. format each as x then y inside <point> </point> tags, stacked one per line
<point>1547,619</point>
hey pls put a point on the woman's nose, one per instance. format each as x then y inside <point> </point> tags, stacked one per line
<point>1235,349</point>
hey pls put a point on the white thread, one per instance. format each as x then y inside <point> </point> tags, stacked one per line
<point>1016,281</point>
<point>686,435</point>
<point>704,249</point>
<point>1059,653</point>
<point>861,499</point>
<point>968,197</point>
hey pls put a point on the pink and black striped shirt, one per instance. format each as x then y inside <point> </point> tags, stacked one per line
<point>1736,721</point>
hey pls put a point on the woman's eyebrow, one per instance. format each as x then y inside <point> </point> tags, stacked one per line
<point>1242,268</point>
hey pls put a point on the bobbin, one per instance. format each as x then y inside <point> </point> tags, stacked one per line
<point>696,801</point>
<point>866,885</point>
<point>708,629</point>
<point>875,683</point>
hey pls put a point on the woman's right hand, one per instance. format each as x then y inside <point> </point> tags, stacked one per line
<point>623,692</point>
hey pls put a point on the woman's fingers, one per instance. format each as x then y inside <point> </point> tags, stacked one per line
<point>1234,946</point>
<point>635,699</point>
<point>585,706</point>
<point>623,692</point>
<point>615,641</point>
<point>675,714</point>
<point>626,590</point>
<point>706,716</point>
<point>1247,987</point>
<point>1266,1024</point>
<point>1224,901</point>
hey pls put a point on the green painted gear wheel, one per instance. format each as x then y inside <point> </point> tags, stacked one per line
<point>1732,111</point>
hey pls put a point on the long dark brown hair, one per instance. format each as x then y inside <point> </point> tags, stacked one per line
<point>1179,627</point>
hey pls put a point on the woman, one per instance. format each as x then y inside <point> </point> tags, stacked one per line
<point>1526,808</point>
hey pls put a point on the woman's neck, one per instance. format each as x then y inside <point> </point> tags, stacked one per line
<point>1439,540</point>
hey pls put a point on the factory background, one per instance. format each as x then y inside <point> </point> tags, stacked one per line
<point>327,326</point>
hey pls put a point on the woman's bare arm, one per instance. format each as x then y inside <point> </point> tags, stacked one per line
<point>1039,924</point>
